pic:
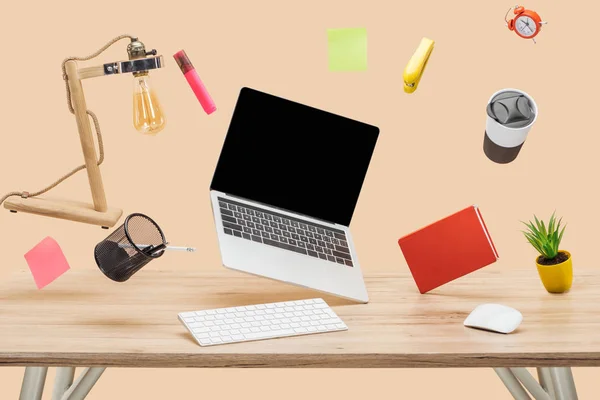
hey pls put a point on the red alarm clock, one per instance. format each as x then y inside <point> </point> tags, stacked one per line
<point>526,23</point>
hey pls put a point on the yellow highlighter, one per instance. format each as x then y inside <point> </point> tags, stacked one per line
<point>416,66</point>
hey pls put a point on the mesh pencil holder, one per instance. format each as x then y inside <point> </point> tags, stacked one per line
<point>130,247</point>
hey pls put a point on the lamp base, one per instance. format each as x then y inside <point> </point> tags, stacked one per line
<point>65,209</point>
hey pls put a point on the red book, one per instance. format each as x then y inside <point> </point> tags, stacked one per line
<point>448,249</point>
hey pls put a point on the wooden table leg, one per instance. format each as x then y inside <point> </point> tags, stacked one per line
<point>33,383</point>
<point>84,384</point>
<point>62,382</point>
<point>512,384</point>
<point>564,384</point>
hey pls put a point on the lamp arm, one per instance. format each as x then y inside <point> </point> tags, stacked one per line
<point>26,194</point>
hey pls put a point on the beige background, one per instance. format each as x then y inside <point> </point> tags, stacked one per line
<point>428,163</point>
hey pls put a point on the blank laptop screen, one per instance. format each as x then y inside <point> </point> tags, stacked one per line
<point>294,157</point>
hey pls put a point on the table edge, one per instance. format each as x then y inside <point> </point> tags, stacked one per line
<point>270,360</point>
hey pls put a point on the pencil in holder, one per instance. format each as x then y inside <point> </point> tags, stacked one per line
<point>130,247</point>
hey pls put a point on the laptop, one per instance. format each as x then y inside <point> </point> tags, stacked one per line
<point>284,192</point>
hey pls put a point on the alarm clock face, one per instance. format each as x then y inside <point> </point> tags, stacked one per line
<point>526,26</point>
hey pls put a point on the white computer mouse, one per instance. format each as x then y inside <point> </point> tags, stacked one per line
<point>495,318</point>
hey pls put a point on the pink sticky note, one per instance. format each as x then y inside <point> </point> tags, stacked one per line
<point>46,262</point>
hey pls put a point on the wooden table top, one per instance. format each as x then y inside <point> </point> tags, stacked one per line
<point>84,319</point>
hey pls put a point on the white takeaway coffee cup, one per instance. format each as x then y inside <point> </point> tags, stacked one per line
<point>510,115</point>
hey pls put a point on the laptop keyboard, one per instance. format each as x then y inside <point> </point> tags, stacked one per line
<point>288,233</point>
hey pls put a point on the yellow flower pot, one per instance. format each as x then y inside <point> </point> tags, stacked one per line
<point>557,278</point>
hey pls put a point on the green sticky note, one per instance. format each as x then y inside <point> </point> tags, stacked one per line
<point>347,49</point>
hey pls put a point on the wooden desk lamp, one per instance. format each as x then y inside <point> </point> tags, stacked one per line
<point>147,118</point>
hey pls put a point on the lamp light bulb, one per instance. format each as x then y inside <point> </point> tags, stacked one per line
<point>148,117</point>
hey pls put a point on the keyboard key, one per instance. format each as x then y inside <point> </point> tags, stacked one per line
<point>269,229</point>
<point>256,220</point>
<point>331,258</point>
<point>339,260</point>
<point>283,239</point>
<point>250,224</point>
<point>286,221</point>
<point>256,232</point>
<point>222,204</point>
<point>237,233</point>
<point>348,263</point>
<point>318,237</point>
<point>284,246</point>
<point>319,249</point>
<point>321,243</point>
<point>228,231</point>
<point>303,226</point>
<point>322,256</point>
<point>292,242</point>
<point>295,236</point>
<point>258,214</point>
<point>246,229</point>
<point>329,233</point>
<point>300,231</point>
<point>342,249</point>
<point>312,241</point>
<point>294,224</point>
<point>312,253</point>
<point>339,236</point>
<point>247,217</point>
<point>287,234</point>
<point>327,251</point>
<point>321,231</point>
<point>344,243</point>
<point>276,219</point>
<point>341,255</point>
<point>265,234</point>
<point>277,231</point>
<point>268,217</point>
<point>241,222</point>
<point>309,234</point>
<point>274,224</point>
<point>229,219</point>
<point>274,237</point>
<point>304,239</point>
<point>232,207</point>
<point>301,244</point>
<point>224,211</point>
<point>232,226</point>
<point>249,211</point>
<point>256,239</point>
<point>241,209</point>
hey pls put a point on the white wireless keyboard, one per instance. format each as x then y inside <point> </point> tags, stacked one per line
<point>261,321</point>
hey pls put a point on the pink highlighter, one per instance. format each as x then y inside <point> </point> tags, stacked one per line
<point>194,81</point>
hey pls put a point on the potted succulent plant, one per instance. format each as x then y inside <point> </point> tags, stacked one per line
<point>554,266</point>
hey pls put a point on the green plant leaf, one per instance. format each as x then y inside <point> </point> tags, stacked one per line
<point>532,228</point>
<point>534,242</point>
<point>551,224</point>
<point>560,236</point>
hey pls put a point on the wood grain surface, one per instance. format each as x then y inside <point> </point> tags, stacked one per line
<point>84,319</point>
